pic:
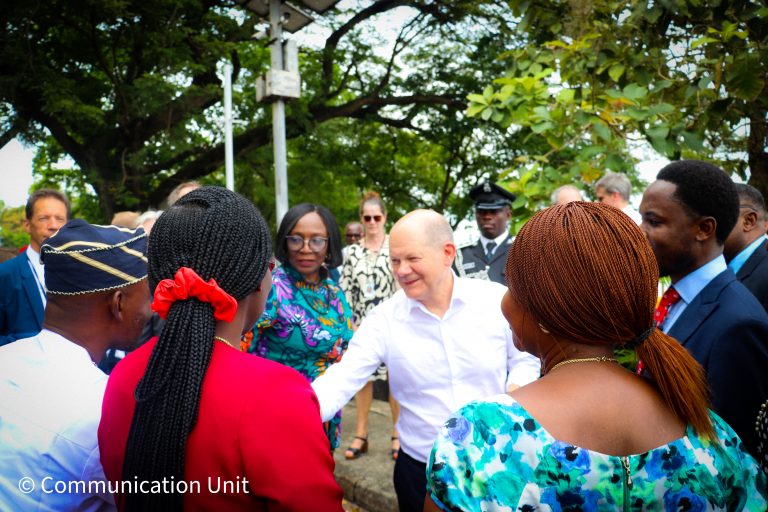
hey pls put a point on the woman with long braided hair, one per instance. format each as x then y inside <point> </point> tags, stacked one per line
<point>177,431</point>
<point>589,434</point>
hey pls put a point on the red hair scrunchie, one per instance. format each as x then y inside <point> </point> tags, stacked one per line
<point>185,284</point>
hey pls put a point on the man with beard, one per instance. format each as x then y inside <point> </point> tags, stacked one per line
<point>688,213</point>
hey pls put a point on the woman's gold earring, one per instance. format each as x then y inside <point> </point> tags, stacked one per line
<point>543,329</point>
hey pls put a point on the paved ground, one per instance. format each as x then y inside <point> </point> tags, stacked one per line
<point>367,481</point>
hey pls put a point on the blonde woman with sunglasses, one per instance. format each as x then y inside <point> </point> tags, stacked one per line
<point>367,281</point>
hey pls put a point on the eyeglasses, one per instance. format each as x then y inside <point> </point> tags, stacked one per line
<point>296,243</point>
<point>353,236</point>
<point>368,218</point>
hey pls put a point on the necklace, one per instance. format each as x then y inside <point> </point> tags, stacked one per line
<point>600,359</point>
<point>224,341</point>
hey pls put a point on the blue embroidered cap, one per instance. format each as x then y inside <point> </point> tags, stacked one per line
<point>86,258</point>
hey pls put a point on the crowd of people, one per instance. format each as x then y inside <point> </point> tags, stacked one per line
<point>536,372</point>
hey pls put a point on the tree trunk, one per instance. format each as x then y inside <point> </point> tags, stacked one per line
<point>757,156</point>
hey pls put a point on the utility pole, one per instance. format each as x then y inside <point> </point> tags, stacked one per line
<point>229,167</point>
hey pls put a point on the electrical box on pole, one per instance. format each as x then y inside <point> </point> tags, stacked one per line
<point>277,83</point>
<point>281,83</point>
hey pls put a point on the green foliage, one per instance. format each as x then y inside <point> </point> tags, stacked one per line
<point>12,233</point>
<point>589,79</point>
<point>52,169</point>
<point>130,92</point>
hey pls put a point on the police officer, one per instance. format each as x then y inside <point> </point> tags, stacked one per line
<point>486,259</point>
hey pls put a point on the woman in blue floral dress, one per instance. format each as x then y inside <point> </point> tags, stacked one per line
<point>590,435</point>
<point>307,323</point>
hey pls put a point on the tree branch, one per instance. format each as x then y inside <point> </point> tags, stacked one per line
<point>333,41</point>
<point>323,113</point>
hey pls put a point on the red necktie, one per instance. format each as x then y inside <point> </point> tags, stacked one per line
<point>670,297</point>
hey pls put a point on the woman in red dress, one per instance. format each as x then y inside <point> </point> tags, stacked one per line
<point>191,423</point>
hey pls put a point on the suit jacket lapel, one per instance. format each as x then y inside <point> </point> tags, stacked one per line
<point>751,264</point>
<point>703,305</point>
<point>29,284</point>
<point>478,250</point>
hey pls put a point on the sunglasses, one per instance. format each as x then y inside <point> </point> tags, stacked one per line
<point>353,236</point>
<point>369,218</point>
<point>296,243</point>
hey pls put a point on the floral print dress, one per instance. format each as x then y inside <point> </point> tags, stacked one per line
<point>367,278</point>
<point>493,456</point>
<point>305,326</point>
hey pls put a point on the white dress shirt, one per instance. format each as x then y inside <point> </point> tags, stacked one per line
<point>50,406</point>
<point>39,272</point>
<point>633,214</point>
<point>436,365</point>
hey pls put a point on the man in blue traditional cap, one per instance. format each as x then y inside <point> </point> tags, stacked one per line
<point>50,387</point>
<point>487,258</point>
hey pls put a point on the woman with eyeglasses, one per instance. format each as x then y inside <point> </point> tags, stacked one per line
<point>307,323</point>
<point>367,280</point>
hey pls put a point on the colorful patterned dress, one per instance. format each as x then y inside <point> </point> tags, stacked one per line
<point>305,326</point>
<point>367,278</point>
<point>492,455</point>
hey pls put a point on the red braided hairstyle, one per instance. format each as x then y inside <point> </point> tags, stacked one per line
<point>587,273</point>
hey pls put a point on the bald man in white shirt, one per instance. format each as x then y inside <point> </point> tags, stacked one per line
<point>443,339</point>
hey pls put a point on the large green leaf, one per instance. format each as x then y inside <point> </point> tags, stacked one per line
<point>745,79</point>
<point>616,71</point>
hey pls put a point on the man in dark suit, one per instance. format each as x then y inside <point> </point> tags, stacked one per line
<point>688,213</point>
<point>22,282</point>
<point>745,249</point>
<point>487,258</point>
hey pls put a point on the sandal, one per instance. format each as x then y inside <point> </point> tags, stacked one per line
<point>356,452</point>
<point>395,451</point>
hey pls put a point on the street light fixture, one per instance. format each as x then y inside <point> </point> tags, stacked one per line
<point>293,17</point>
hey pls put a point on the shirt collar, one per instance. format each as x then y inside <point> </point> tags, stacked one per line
<point>33,255</point>
<point>458,299</point>
<point>690,286</point>
<point>37,265</point>
<point>740,259</point>
<point>498,239</point>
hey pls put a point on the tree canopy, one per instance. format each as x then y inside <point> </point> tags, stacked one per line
<point>590,79</point>
<point>559,92</point>
<point>130,91</point>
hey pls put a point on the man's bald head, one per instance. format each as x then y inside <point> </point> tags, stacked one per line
<point>427,225</point>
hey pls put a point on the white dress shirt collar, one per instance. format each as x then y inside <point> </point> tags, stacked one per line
<point>499,239</point>
<point>34,258</point>
<point>404,308</point>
